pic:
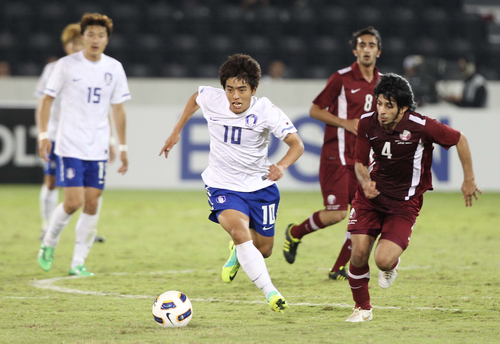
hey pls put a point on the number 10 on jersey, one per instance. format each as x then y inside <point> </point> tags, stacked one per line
<point>235,134</point>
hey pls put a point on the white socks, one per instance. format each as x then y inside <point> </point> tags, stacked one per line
<point>48,202</point>
<point>59,220</point>
<point>252,261</point>
<point>86,230</point>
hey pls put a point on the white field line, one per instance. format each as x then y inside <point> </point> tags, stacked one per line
<point>49,284</point>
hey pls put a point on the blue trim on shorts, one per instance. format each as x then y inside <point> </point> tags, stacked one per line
<point>260,206</point>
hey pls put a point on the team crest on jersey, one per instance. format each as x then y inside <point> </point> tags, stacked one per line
<point>220,199</point>
<point>70,173</point>
<point>251,121</point>
<point>331,199</point>
<point>108,78</point>
<point>405,135</point>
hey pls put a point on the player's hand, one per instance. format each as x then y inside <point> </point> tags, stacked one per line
<point>44,148</point>
<point>469,189</point>
<point>124,159</point>
<point>112,154</point>
<point>370,189</point>
<point>276,172</point>
<point>351,125</point>
<point>169,144</point>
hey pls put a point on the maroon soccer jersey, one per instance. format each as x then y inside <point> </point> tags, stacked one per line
<point>402,156</point>
<point>347,95</point>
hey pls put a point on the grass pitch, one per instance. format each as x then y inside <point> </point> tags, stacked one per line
<point>447,290</point>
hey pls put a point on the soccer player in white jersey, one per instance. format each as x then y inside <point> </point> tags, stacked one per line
<point>240,179</point>
<point>71,39</point>
<point>88,83</point>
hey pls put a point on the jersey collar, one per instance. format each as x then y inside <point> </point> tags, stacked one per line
<point>359,76</point>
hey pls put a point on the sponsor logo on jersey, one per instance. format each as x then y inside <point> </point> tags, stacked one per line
<point>331,199</point>
<point>405,135</point>
<point>70,173</point>
<point>220,199</point>
<point>108,78</point>
<point>251,121</point>
<point>267,228</point>
<point>356,90</point>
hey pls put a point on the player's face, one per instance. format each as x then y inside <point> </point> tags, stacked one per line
<point>367,50</point>
<point>74,46</point>
<point>239,94</point>
<point>389,115</point>
<point>95,39</point>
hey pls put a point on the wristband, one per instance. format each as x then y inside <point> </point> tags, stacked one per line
<point>43,136</point>
<point>123,148</point>
<point>112,141</point>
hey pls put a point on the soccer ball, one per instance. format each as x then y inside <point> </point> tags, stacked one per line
<point>172,309</point>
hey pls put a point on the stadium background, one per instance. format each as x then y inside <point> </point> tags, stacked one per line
<point>169,48</point>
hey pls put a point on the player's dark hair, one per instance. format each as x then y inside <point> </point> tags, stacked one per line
<point>90,19</point>
<point>242,67</point>
<point>370,30</point>
<point>394,86</point>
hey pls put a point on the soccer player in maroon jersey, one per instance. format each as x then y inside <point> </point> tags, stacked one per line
<point>390,190</point>
<point>347,95</point>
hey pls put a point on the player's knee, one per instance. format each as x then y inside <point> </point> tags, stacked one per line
<point>332,217</point>
<point>72,205</point>
<point>91,207</point>
<point>384,263</point>
<point>359,257</point>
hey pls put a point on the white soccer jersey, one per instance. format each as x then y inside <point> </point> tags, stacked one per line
<point>87,89</point>
<point>55,110</point>
<point>239,142</point>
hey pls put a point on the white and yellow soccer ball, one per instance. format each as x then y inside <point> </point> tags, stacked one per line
<point>172,309</point>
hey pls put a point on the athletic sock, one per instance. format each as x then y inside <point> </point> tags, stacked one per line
<point>345,253</point>
<point>252,261</point>
<point>310,225</point>
<point>58,221</point>
<point>86,230</point>
<point>48,202</point>
<point>358,281</point>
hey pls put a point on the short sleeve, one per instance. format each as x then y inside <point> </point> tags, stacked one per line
<point>203,96</point>
<point>441,134</point>
<point>330,93</point>
<point>362,153</point>
<point>56,79</point>
<point>121,92</point>
<point>279,123</point>
<point>44,78</point>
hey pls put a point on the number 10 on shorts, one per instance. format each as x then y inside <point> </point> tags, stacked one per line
<point>269,214</point>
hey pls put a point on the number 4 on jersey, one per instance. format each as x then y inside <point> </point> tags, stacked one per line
<point>386,151</point>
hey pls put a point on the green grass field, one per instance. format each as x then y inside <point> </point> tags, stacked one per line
<point>447,290</point>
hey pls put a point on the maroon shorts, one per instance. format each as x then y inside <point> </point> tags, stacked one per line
<point>338,185</point>
<point>391,219</point>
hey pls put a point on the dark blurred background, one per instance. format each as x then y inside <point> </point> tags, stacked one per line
<point>192,38</point>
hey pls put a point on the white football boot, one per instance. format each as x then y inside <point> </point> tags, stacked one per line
<point>360,315</point>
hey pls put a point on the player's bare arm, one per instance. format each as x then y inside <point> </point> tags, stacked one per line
<point>294,152</point>
<point>44,144</point>
<point>369,186</point>
<point>469,187</point>
<point>189,110</point>
<point>323,115</point>
<point>120,124</point>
